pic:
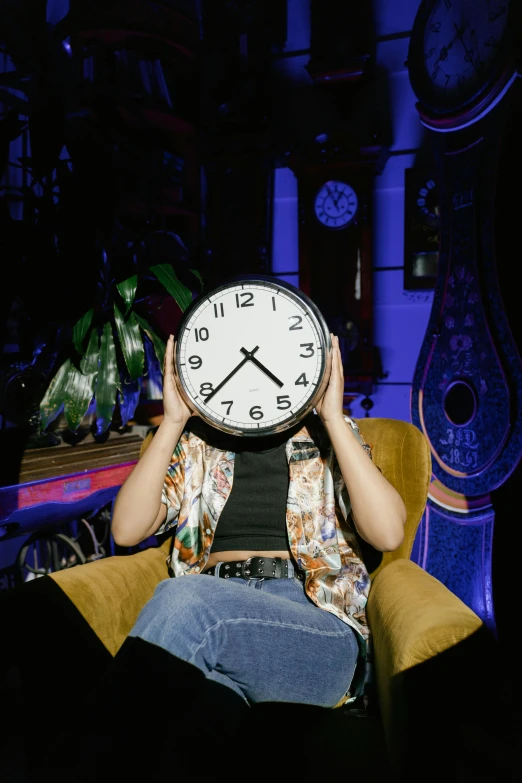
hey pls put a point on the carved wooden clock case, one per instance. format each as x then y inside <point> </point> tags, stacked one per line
<point>335,181</point>
<point>467,386</point>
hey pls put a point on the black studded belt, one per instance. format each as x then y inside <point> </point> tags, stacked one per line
<point>256,568</point>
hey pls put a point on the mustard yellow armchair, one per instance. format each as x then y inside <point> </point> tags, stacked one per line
<point>427,642</point>
<point>433,656</point>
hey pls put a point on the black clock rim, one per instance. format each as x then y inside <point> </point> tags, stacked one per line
<point>302,298</point>
<point>500,69</point>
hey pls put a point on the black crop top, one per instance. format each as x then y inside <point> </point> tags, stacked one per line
<point>254,516</point>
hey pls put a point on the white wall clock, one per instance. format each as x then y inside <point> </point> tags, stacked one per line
<point>253,355</point>
<point>335,204</point>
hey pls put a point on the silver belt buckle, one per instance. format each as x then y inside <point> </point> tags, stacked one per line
<point>244,573</point>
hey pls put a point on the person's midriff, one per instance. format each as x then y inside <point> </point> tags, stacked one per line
<point>228,557</point>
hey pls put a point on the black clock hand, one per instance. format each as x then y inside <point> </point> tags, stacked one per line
<point>262,367</point>
<point>332,196</point>
<point>248,355</point>
<point>469,53</point>
<point>445,49</point>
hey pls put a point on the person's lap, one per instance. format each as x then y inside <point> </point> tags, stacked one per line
<point>265,639</point>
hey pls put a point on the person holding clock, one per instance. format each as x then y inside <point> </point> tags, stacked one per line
<point>266,600</point>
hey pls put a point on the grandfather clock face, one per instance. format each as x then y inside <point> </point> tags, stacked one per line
<point>335,204</point>
<point>459,50</point>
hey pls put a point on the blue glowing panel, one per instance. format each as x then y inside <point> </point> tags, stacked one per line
<point>298,25</point>
<point>393,176</point>
<point>292,279</point>
<point>394,17</point>
<point>391,55</point>
<point>285,245</point>
<point>388,221</point>
<point>56,10</point>
<point>398,332</point>
<point>407,128</point>
<point>285,184</point>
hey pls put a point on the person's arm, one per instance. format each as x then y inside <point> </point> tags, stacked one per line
<point>378,510</point>
<point>138,511</point>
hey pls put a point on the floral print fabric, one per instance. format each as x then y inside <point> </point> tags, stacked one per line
<point>322,537</point>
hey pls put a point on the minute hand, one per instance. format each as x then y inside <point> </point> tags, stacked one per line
<point>248,355</point>
<point>262,367</point>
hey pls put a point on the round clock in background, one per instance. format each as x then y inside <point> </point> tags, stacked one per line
<point>461,58</point>
<point>335,204</point>
<point>253,355</point>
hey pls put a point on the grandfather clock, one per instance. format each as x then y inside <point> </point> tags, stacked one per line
<point>467,386</point>
<point>335,180</point>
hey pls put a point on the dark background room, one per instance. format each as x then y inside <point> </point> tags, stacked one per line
<point>150,149</point>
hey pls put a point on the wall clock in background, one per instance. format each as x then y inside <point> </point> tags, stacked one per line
<point>252,355</point>
<point>461,58</point>
<point>335,204</point>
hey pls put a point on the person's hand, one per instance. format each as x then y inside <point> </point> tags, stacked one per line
<point>175,410</point>
<point>330,406</point>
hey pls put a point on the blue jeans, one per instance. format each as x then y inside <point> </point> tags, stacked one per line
<point>265,639</point>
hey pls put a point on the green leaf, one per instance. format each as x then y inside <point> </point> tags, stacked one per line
<point>108,380</point>
<point>129,400</point>
<point>80,384</point>
<point>169,280</point>
<point>127,290</point>
<point>79,393</point>
<point>80,329</point>
<point>131,343</point>
<point>89,363</point>
<point>197,274</point>
<point>54,397</point>
<point>157,342</point>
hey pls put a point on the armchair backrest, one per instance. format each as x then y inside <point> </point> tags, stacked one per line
<point>402,452</point>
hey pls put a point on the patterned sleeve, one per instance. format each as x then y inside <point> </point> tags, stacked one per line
<point>341,493</point>
<point>172,492</point>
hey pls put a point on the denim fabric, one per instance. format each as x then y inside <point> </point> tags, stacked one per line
<point>265,639</point>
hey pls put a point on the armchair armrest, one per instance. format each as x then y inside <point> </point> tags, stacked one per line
<point>111,592</point>
<point>415,622</point>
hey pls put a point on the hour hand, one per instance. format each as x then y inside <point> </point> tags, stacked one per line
<point>249,355</point>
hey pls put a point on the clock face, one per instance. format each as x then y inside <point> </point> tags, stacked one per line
<point>457,48</point>
<point>336,204</point>
<point>252,355</point>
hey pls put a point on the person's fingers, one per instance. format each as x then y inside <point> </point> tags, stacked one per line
<point>335,355</point>
<point>339,360</point>
<point>174,365</point>
<point>167,364</point>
